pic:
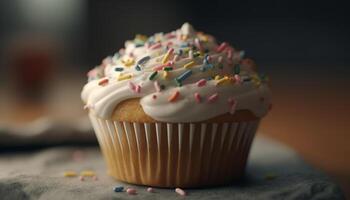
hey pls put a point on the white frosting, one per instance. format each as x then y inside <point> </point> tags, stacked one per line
<point>251,95</point>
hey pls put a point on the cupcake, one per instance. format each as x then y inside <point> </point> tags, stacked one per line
<point>176,109</point>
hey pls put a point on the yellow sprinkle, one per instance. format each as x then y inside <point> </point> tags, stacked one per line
<point>184,37</point>
<point>222,81</point>
<point>165,74</point>
<point>88,173</point>
<point>188,65</point>
<point>141,37</point>
<point>128,61</point>
<point>124,77</point>
<point>69,174</point>
<point>217,77</point>
<point>167,55</point>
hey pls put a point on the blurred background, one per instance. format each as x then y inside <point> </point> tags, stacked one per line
<point>47,46</point>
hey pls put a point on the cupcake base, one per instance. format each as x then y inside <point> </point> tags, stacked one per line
<point>175,154</point>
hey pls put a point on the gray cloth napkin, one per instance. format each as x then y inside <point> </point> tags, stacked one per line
<point>273,172</point>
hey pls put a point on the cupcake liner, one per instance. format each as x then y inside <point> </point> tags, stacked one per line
<point>175,154</point>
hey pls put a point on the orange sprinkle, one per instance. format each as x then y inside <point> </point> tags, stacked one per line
<point>103,82</point>
<point>174,96</point>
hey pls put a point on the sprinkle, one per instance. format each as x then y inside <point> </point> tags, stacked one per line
<point>95,178</point>
<point>213,97</point>
<point>138,68</point>
<point>132,86</point>
<point>180,191</point>
<point>174,96</point>
<point>156,86</point>
<point>237,69</point>
<point>154,96</point>
<point>165,74</point>
<point>151,190</point>
<point>81,178</point>
<point>184,76</point>
<point>201,83</point>
<point>138,89</point>
<point>167,68</point>
<point>143,60</point>
<point>217,77</point>
<point>178,83</point>
<point>128,61</point>
<point>118,189</point>
<point>156,46</point>
<point>198,44</point>
<point>222,81</point>
<point>196,54</point>
<point>197,97</point>
<point>232,103</point>
<point>103,82</point>
<point>167,55</point>
<point>154,74</point>
<point>131,191</point>
<point>70,174</point>
<point>222,47</point>
<point>118,69</point>
<point>88,173</point>
<point>238,78</point>
<point>188,65</point>
<point>124,77</point>
<point>229,53</point>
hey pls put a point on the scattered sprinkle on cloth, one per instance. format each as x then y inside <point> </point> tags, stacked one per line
<point>274,172</point>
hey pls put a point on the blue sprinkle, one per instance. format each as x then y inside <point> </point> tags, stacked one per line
<point>138,68</point>
<point>184,76</point>
<point>118,69</point>
<point>143,60</point>
<point>118,189</point>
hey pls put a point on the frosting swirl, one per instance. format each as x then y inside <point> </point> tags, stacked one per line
<point>181,76</point>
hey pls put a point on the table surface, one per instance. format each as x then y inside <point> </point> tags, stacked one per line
<point>274,172</point>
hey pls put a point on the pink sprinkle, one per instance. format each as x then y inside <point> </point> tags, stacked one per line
<point>132,86</point>
<point>95,178</point>
<point>156,46</point>
<point>150,190</point>
<point>157,86</point>
<point>159,67</point>
<point>238,78</point>
<point>197,97</point>
<point>232,102</point>
<point>201,83</point>
<point>222,47</point>
<point>81,178</point>
<point>170,36</point>
<point>198,44</point>
<point>229,53</point>
<point>213,97</point>
<point>131,191</point>
<point>138,89</point>
<point>180,191</point>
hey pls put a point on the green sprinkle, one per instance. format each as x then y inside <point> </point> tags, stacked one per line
<point>167,68</point>
<point>153,75</point>
<point>178,83</point>
<point>118,69</point>
<point>237,69</point>
<point>196,54</point>
<point>138,68</point>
